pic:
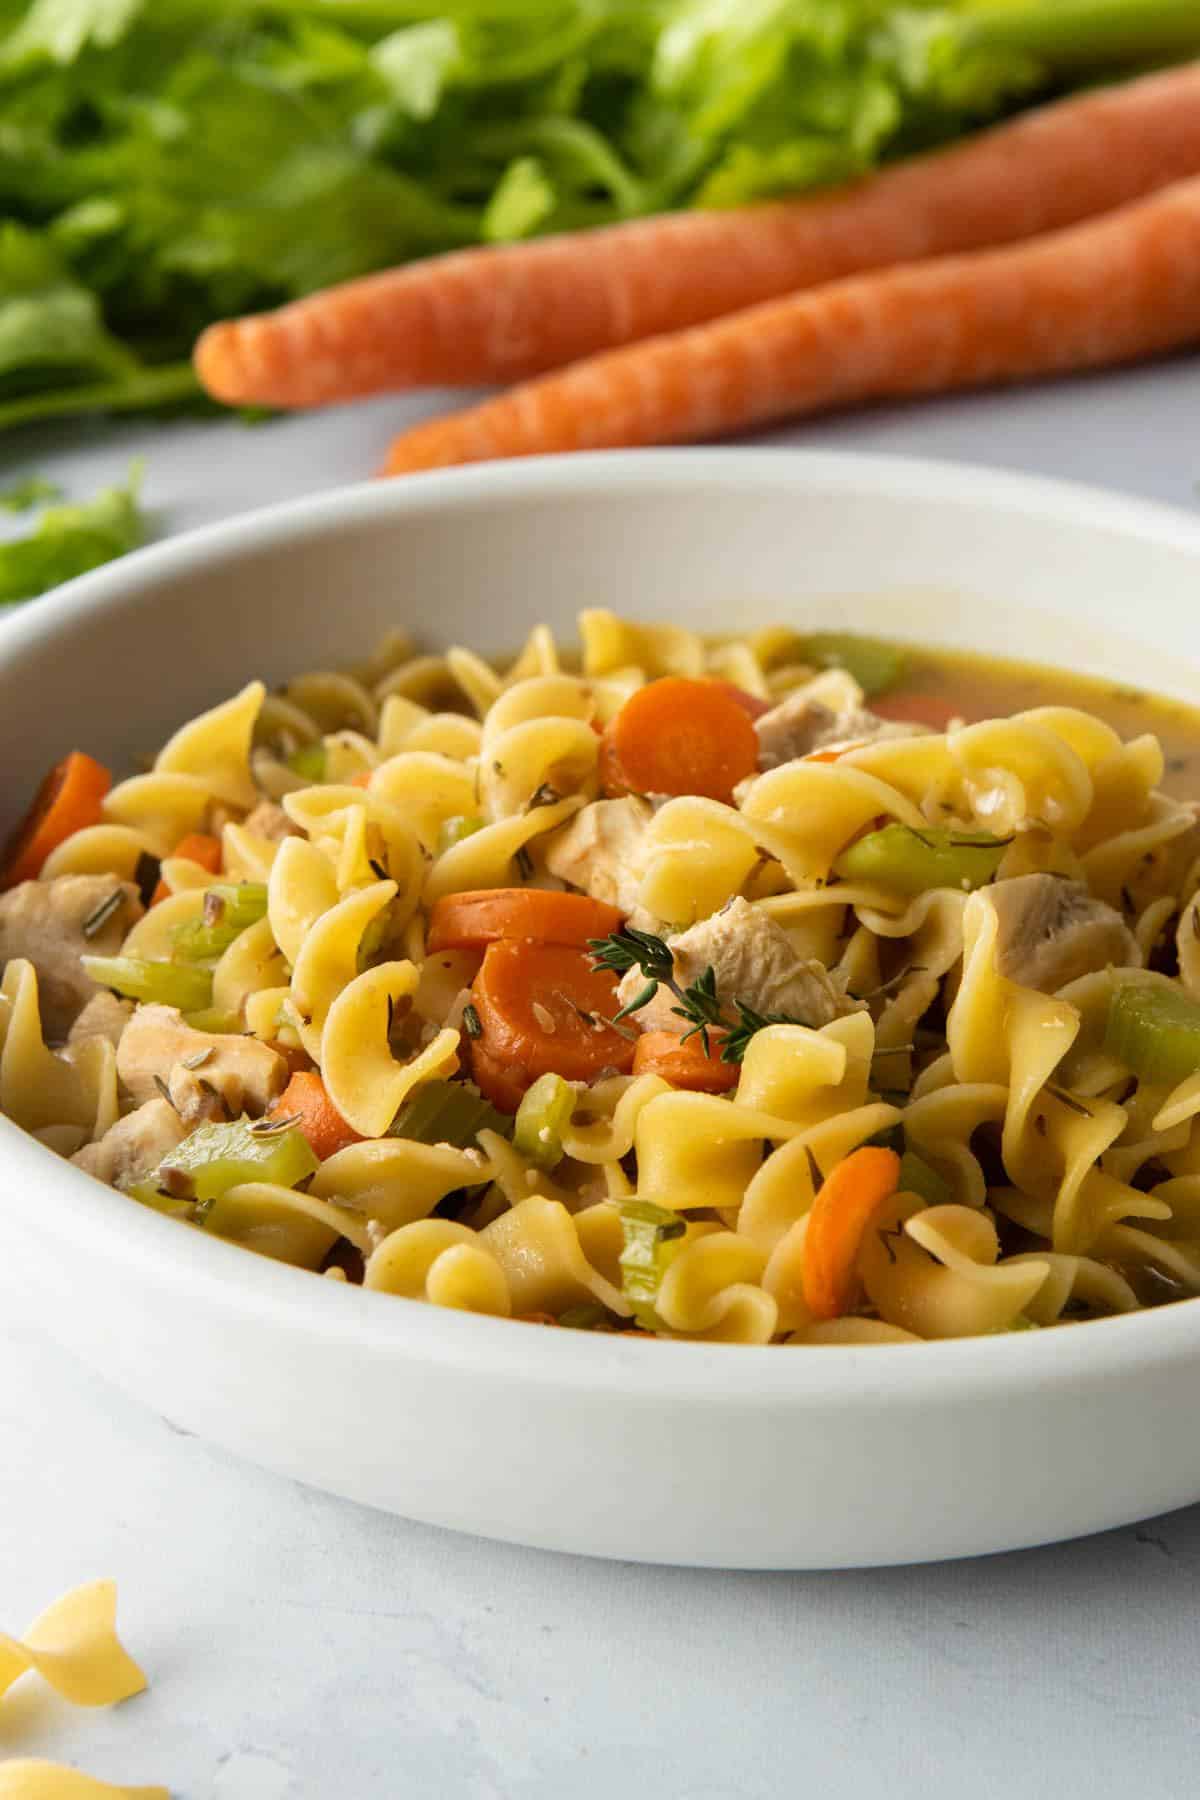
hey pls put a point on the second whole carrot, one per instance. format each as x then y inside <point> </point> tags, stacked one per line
<point>1116,290</point>
<point>507,312</point>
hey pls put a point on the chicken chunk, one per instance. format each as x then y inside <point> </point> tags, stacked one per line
<point>803,722</point>
<point>53,924</point>
<point>271,822</point>
<point>135,1145</point>
<point>1052,931</point>
<point>599,850</point>
<point>752,961</point>
<point>207,1075</point>
<point>104,1016</point>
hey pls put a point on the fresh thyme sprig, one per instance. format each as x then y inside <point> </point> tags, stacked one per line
<point>699,1003</point>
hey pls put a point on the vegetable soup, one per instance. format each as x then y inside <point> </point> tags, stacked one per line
<point>789,988</point>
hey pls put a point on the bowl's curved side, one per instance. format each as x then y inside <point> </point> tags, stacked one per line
<point>677,1453</point>
<point>686,1453</point>
<point>966,557</point>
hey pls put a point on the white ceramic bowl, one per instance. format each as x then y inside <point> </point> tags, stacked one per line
<point>765,1458</point>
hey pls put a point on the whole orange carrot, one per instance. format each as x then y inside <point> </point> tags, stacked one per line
<point>1112,291</point>
<point>501,314</point>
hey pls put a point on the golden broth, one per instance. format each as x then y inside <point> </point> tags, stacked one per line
<point>984,687</point>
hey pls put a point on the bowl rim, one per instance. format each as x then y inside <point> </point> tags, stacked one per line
<point>645,472</point>
<point>223,1275</point>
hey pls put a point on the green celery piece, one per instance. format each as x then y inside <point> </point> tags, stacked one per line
<point>215,1021</point>
<point>1070,35</point>
<point>653,1238</point>
<point>910,862</point>
<point>1154,1032</point>
<point>68,541</point>
<point>216,1158</point>
<point>309,761</point>
<point>148,1193</point>
<point>446,1112</point>
<point>142,390</point>
<point>916,1177</point>
<point>228,911</point>
<point>158,983</point>
<point>875,665</point>
<point>1021,1323</point>
<point>32,490</point>
<point>542,1117</point>
<point>453,831</point>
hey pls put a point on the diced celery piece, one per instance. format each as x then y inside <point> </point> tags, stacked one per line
<point>916,1177</point>
<point>875,665</point>
<point>1021,1323</point>
<point>308,761</point>
<point>148,1193</point>
<point>653,1239</point>
<point>162,983</point>
<point>910,862</point>
<point>1154,1032</point>
<point>463,825</point>
<point>228,911</point>
<point>542,1117</point>
<point>216,1158</point>
<point>215,1021</point>
<point>446,1112</point>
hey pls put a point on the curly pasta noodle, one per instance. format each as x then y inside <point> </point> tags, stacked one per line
<point>388,1054</point>
<point>74,1647</point>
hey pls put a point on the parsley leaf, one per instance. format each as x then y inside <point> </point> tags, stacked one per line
<point>30,491</point>
<point>71,539</point>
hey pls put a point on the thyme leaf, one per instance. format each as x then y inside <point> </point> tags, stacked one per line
<point>98,918</point>
<point>699,1004</point>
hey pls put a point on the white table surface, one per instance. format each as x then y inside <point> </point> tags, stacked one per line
<point>301,1648</point>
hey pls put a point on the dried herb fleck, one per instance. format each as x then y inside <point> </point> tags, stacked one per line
<point>100,915</point>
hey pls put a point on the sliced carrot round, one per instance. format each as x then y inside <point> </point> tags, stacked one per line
<point>497,1081</point>
<point>544,1011</point>
<point>197,847</point>
<point>305,1100</point>
<point>678,736</point>
<point>847,1201</point>
<point>685,1065</point>
<point>467,921</point>
<point>69,799</point>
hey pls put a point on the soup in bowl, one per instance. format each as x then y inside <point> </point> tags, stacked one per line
<point>772,987</point>
<point>650,1015</point>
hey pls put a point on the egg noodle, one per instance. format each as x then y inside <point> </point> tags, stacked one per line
<point>662,987</point>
